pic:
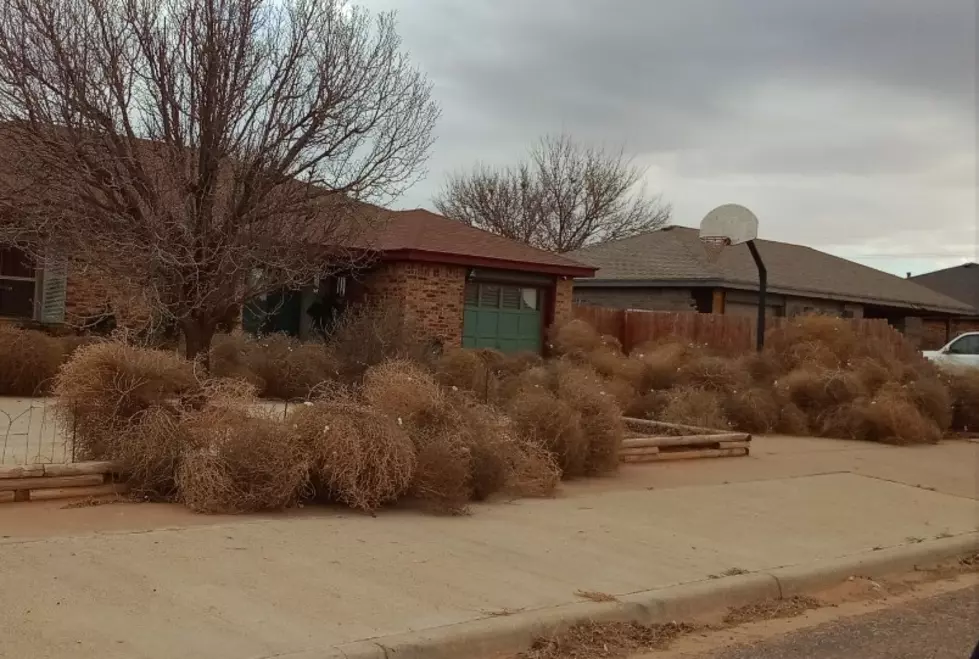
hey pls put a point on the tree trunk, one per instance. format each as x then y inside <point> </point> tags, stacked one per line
<point>197,338</point>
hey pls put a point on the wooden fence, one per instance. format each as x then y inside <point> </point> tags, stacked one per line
<point>726,334</point>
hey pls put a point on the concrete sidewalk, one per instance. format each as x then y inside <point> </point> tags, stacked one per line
<point>243,588</point>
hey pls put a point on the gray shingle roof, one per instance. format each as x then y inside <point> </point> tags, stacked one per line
<point>674,256</point>
<point>960,282</point>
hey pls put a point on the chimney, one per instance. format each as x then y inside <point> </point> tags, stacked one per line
<point>908,276</point>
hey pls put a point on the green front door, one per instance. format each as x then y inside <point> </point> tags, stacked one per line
<point>502,316</point>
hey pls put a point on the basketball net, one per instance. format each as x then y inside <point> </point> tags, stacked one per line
<point>714,245</point>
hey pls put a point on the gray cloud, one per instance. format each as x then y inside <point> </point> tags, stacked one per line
<point>844,123</point>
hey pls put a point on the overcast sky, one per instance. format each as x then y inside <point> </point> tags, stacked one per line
<point>849,125</point>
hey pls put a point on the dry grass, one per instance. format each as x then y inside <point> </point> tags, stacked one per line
<point>817,391</point>
<point>695,407</point>
<point>539,417</point>
<point>605,639</point>
<point>963,385</point>
<point>792,420</point>
<point>714,374</point>
<point>404,391</point>
<point>471,370</point>
<point>661,363</point>
<point>239,464</point>
<point>358,456</point>
<point>535,473</point>
<point>281,366</point>
<point>772,610</point>
<point>595,596</point>
<point>369,334</point>
<point>754,409</point>
<point>29,360</point>
<point>442,480</point>
<point>575,337</point>
<point>891,417</point>
<point>104,386</point>
<point>149,448</point>
<point>601,419</point>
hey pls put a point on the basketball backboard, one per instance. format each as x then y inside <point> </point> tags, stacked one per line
<point>735,223</point>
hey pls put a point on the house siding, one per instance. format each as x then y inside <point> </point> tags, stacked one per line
<point>649,299</point>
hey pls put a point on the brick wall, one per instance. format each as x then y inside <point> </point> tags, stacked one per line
<point>649,299</point>
<point>88,295</point>
<point>564,295</point>
<point>934,334</point>
<point>431,296</point>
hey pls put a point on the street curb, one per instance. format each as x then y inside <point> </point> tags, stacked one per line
<point>799,579</point>
<point>516,632</point>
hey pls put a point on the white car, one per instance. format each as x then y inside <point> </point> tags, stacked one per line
<point>963,350</point>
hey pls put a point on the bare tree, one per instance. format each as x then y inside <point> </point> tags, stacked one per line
<point>565,196</point>
<point>204,152</point>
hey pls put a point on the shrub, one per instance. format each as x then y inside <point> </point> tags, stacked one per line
<point>817,391</point>
<point>539,417</point>
<point>149,448</point>
<point>467,369</point>
<point>792,420</point>
<point>601,419</point>
<point>442,481</point>
<point>105,385</point>
<point>29,361</point>
<point>649,405</point>
<point>891,417</point>
<point>963,385</point>
<point>492,452</point>
<point>714,374</point>
<point>575,337</point>
<point>813,341</point>
<point>932,398</point>
<point>752,410</point>
<point>240,463</point>
<point>535,472</point>
<point>281,366</point>
<point>661,364</point>
<point>695,407</point>
<point>369,334</point>
<point>404,391</point>
<point>357,455</point>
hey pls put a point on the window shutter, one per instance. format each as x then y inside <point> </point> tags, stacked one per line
<point>54,285</point>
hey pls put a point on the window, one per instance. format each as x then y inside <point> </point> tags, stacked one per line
<point>967,345</point>
<point>530,298</point>
<point>495,296</point>
<point>18,282</point>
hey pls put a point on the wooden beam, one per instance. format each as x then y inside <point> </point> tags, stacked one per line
<point>49,483</point>
<point>77,492</point>
<point>683,440</point>
<point>718,301</point>
<point>687,455</point>
<point>80,469</point>
<point>21,471</point>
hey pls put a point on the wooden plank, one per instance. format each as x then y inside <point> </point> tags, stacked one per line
<point>80,469</point>
<point>699,453</point>
<point>48,483</point>
<point>634,423</point>
<point>682,440</point>
<point>735,444</point>
<point>650,450</point>
<point>21,471</point>
<point>76,492</point>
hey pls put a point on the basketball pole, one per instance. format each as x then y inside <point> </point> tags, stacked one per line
<point>762,293</point>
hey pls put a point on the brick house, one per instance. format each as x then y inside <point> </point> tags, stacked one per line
<point>463,286</point>
<point>667,270</point>
<point>961,283</point>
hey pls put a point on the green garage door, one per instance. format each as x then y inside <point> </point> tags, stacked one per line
<point>504,317</point>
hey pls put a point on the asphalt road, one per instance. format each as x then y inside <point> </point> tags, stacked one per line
<point>942,627</point>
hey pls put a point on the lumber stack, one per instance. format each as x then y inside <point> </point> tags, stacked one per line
<point>682,442</point>
<point>38,482</point>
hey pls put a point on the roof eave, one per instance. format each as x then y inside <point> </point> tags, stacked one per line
<point>486,262</point>
<point>778,290</point>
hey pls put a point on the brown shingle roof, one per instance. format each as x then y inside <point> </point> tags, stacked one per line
<point>422,235</point>
<point>674,256</point>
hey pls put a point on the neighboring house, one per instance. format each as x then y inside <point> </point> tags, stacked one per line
<point>464,286</point>
<point>667,270</point>
<point>961,283</point>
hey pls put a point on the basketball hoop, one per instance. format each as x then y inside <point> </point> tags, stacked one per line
<point>714,245</point>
